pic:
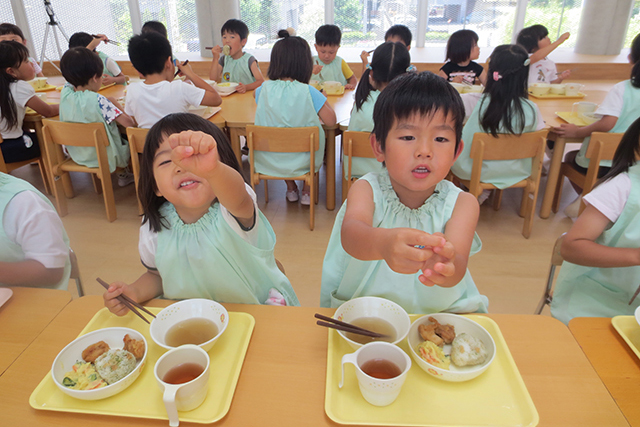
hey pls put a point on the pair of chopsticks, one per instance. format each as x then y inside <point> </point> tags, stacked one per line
<point>108,41</point>
<point>128,302</point>
<point>635,295</point>
<point>346,327</point>
<point>178,72</point>
<point>572,70</point>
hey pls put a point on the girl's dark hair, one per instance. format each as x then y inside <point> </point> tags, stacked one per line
<point>12,55</point>
<point>7,28</point>
<point>416,93</point>
<point>634,56</point>
<point>154,27</point>
<point>290,59</point>
<point>79,65</point>
<point>530,36</point>
<point>389,61</point>
<point>626,153</point>
<point>507,83</point>
<point>173,123</point>
<point>460,44</point>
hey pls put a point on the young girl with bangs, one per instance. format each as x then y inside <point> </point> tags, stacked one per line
<point>462,51</point>
<point>202,234</point>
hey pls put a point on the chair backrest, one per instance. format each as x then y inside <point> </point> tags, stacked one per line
<point>284,140</point>
<point>506,146</point>
<point>603,145</point>
<point>356,144</point>
<point>76,134</point>
<point>137,137</point>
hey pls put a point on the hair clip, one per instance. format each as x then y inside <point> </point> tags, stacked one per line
<point>527,62</point>
<point>496,76</point>
<point>369,67</point>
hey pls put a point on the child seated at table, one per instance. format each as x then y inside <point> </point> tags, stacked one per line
<point>15,96</point>
<point>159,94</point>
<point>327,65</point>
<point>80,103</point>
<point>535,40</point>
<point>395,34</point>
<point>406,233</point>
<point>112,72</point>
<point>235,65</point>
<point>462,51</point>
<point>287,100</point>
<point>34,248</point>
<point>601,269</point>
<point>202,234</point>
<point>13,32</point>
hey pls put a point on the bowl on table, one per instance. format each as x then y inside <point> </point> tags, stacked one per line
<point>333,88</point>
<point>72,353</point>
<point>226,87</point>
<point>461,325</point>
<point>539,89</point>
<point>192,318</point>
<point>458,86</point>
<point>589,118</point>
<point>558,89</point>
<point>370,310</point>
<point>316,83</point>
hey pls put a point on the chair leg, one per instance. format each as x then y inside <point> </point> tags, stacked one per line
<point>59,194</point>
<point>44,174</point>
<point>558,193</point>
<point>97,186</point>
<point>266,191</point>
<point>344,188</point>
<point>109,199</point>
<point>497,199</point>
<point>317,184</point>
<point>546,298</point>
<point>67,185</point>
<point>312,206</point>
<point>523,202</point>
<point>532,197</point>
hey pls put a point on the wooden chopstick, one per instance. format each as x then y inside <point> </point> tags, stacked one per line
<point>178,72</point>
<point>108,41</point>
<point>347,327</point>
<point>128,302</point>
<point>635,295</point>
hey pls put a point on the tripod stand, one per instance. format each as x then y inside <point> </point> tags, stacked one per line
<point>52,25</point>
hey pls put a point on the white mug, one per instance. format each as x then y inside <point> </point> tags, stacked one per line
<point>188,395</point>
<point>584,107</point>
<point>378,392</point>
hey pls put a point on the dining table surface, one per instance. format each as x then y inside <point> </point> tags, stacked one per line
<point>282,381</point>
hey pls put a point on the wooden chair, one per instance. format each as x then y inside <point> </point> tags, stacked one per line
<point>9,167</point>
<point>509,147</point>
<point>285,140</point>
<point>602,146</point>
<point>137,137</point>
<point>75,272</point>
<point>556,261</point>
<point>355,144</point>
<point>58,133</point>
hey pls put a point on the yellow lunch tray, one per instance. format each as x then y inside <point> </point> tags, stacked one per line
<point>143,398</point>
<point>498,397</point>
<point>46,88</point>
<point>556,96</point>
<point>627,327</point>
<point>106,86</point>
<point>571,117</point>
<point>336,93</point>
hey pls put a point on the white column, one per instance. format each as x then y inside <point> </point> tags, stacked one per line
<point>421,24</point>
<point>20,15</point>
<point>518,23</point>
<point>136,17</point>
<point>212,14</point>
<point>329,13</point>
<point>603,26</point>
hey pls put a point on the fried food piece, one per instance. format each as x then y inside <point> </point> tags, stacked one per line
<point>446,332</point>
<point>427,332</point>
<point>91,353</point>
<point>135,347</point>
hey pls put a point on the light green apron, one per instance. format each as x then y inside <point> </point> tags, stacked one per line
<point>286,104</point>
<point>237,70</point>
<point>344,277</point>
<point>362,121</point>
<point>82,107</point>
<point>104,58</point>
<point>501,173</point>
<point>10,251</point>
<point>603,292</point>
<point>208,259</point>
<point>331,72</point>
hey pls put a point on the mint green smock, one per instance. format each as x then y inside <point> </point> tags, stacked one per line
<point>83,107</point>
<point>237,70</point>
<point>583,291</point>
<point>208,259</point>
<point>344,277</point>
<point>104,58</point>
<point>630,112</point>
<point>10,186</point>
<point>362,121</point>
<point>286,104</point>
<point>501,173</point>
<point>331,72</point>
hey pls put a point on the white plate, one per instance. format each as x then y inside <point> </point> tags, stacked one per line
<point>5,294</point>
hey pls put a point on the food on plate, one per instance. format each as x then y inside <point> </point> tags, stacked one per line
<point>434,355</point>
<point>467,350</point>
<point>428,333</point>
<point>437,333</point>
<point>133,346</point>
<point>226,50</point>
<point>91,353</point>
<point>115,364</point>
<point>83,376</point>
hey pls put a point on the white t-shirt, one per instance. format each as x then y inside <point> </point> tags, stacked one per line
<point>469,100</point>
<point>543,71</point>
<point>33,224</point>
<point>611,196</point>
<point>149,103</point>
<point>612,104</point>
<point>113,67</point>
<point>149,238</point>
<point>22,92</point>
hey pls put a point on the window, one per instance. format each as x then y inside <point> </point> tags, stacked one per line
<point>179,16</point>
<point>559,16</point>
<point>634,24</point>
<point>6,13</point>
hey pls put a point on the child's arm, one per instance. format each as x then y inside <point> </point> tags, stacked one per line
<point>123,119</point>
<point>568,130</point>
<point>257,74</point>
<point>352,80</point>
<point>42,108</point>
<point>579,246</point>
<point>483,77</point>
<point>148,286</point>
<point>96,41</point>
<point>211,97</point>
<point>29,273</point>
<point>563,75</point>
<point>364,56</point>
<point>327,115</point>
<point>119,79</point>
<point>545,51</point>
<point>216,69</point>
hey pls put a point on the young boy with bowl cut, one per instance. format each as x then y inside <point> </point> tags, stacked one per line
<point>327,66</point>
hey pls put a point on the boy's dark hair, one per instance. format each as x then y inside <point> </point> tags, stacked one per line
<point>626,154</point>
<point>168,125</point>
<point>328,35</point>
<point>634,56</point>
<point>12,55</point>
<point>235,26</point>
<point>290,59</point>
<point>460,44</point>
<point>80,40</point>
<point>416,93</point>
<point>79,65</point>
<point>7,28</point>
<point>154,27</point>
<point>148,52</point>
<point>401,31</point>
<point>389,61</point>
<point>530,36</point>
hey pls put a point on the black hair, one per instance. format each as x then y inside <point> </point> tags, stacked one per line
<point>168,125</point>
<point>7,28</point>
<point>235,26</point>
<point>290,59</point>
<point>154,27</point>
<point>80,40</point>
<point>416,93</point>
<point>149,52</point>
<point>389,61</point>
<point>401,31</point>
<point>460,44</point>
<point>79,65</point>
<point>12,55</point>
<point>506,85</point>
<point>626,154</point>
<point>328,35</point>
<point>634,56</point>
<point>530,36</point>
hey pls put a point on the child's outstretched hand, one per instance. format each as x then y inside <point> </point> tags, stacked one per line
<point>349,86</point>
<point>111,298</point>
<point>364,56</point>
<point>241,88</point>
<point>566,130</point>
<point>564,37</point>
<point>406,250</point>
<point>317,68</point>
<point>440,265</point>
<point>216,51</point>
<point>196,152</point>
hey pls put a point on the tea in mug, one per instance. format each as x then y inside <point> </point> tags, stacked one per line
<point>382,369</point>
<point>183,373</point>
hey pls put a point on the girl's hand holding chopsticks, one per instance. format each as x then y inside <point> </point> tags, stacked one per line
<point>111,300</point>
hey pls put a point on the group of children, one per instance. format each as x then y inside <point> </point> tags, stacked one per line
<point>404,233</point>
